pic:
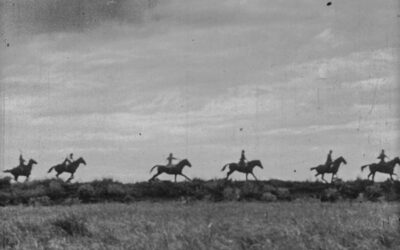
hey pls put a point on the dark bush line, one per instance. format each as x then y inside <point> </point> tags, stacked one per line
<point>56,191</point>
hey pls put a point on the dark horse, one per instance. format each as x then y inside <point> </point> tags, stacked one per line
<point>70,168</point>
<point>324,169</point>
<point>247,169</point>
<point>175,170</point>
<point>24,170</point>
<point>386,167</point>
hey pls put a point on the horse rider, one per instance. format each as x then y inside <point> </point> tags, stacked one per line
<point>328,162</point>
<point>69,159</point>
<point>382,157</point>
<point>169,159</point>
<point>242,160</point>
<point>21,161</point>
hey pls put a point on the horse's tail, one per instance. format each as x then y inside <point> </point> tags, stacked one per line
<point>313,168</point>
<point>153,168</point>
<point>50,169</point>
<point>362,167</point>
<point>223,168</point>
<point>7,171</point>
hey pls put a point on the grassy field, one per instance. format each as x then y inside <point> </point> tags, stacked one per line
<point>202,225</point>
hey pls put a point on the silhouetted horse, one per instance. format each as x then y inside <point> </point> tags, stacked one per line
<point>386,167</point>
<point>24,170</point>
<point>70,168</point>
<point>247,169</point>
<point>175,170</point>
<point>324,169</point>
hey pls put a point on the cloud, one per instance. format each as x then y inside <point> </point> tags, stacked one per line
<point>39,16</point>
<point>329,37</point>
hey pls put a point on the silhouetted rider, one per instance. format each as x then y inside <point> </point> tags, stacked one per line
<point>243,160</point>
<point>328,162</point>
<point>382,156</point>
<point>21,161</point>
<point>169,159</point>
<point>69,159</point>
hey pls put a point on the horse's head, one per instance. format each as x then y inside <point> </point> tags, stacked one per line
<point>185,162</point>
<point>396,160</point>
<point>31,162</point>
<point>81,160</point>
<point>341,159</point>
<point>255,163</point>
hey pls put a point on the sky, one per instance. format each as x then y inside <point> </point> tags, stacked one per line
<point>124,83</point>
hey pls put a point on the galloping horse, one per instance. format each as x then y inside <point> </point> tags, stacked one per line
<point>24,170</point>
<point>386,167</point>
<point>71,168</point>
<point>175,170</point>
<point>324,169</point>
<point>247,169</point>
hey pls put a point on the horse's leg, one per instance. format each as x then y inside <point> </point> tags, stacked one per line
<point>16,177</point>
<point>27,178</point>
<point>332,177</point>
<point>154,176</point>
<point>58,173</point>
<point>70,178</point>
<point>246,176</point>
<point>228,174</point>
<point>254,176</point>
<point>175,178</point>
<point>185,177</point>
<point>373,176</point>
<point>323,178</point>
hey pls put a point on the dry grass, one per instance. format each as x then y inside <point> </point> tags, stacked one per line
<point>202,225</point>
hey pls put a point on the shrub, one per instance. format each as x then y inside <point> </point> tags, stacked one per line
<point>71,201</point>
<point>268,188</point>
<point>5,198</point>
<point>232,194</point>
<point>86,192</point>
<point>330,194</point>
<point>39,201</point>
<point>26,194</point>
<point>374,192</point>
<point>282,193</point>
<point>72,224</point>
<point>267,196</point>
<point>5,182</point>
<point>55,190</point>
<point>116,191</point>
<point>214,189</point>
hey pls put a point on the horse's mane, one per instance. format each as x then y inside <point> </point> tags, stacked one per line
<point>339,158</point>
<point>396,159</point>
<point>184,161</point>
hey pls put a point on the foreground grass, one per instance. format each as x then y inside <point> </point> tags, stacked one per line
<point>202,225</point>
